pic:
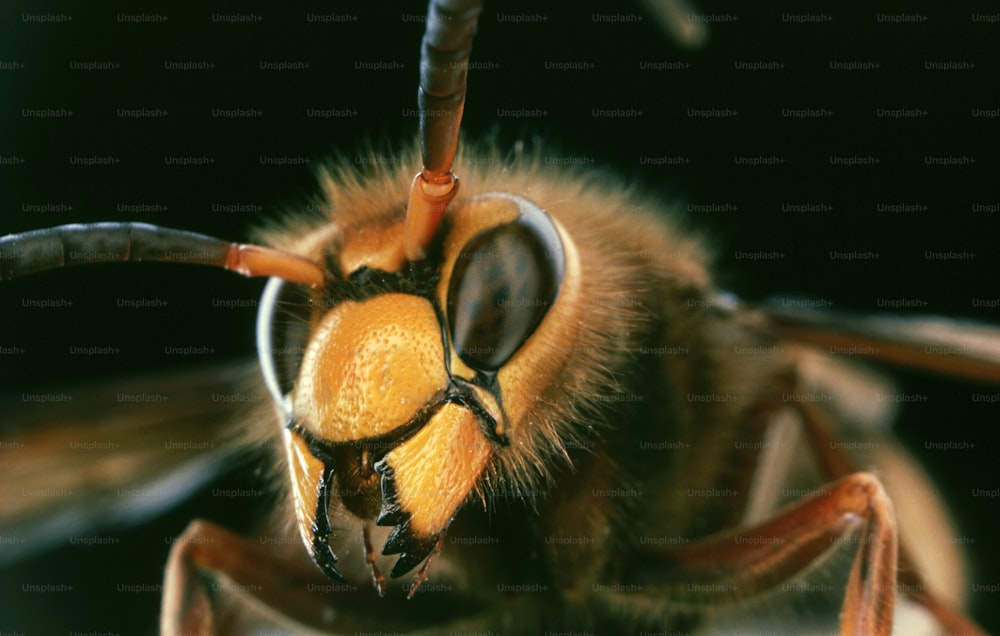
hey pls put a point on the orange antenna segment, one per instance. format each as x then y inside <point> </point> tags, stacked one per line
<point>84,244</point>
<point>444,65</point>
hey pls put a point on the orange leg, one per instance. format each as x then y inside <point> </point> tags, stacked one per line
<point>209,565</point>
<point>218,582</point>
<point>745,563</point>
<point>835,463</point>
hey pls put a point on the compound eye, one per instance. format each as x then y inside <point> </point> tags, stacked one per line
<point>283,331</point>
<point>503,282</point>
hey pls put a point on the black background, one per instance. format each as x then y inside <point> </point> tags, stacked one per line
<point>518,50</point>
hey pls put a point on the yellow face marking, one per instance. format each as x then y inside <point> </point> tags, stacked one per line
<point>370,367</point>
<point>524,378</point>
<point>438,467</point>
<point>374,247</point>
<point>306,472</point>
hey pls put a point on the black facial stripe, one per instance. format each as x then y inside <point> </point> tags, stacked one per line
<point>317,448</point>
<point>463,394</point>
<point>416,279</point>
<point>445,339</point>
<point>324,450</point>
<point>459,392</point>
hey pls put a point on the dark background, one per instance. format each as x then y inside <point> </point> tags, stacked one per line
<point>516,72</point>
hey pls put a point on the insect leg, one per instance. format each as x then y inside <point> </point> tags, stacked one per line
<point>834,463</point>
<point>218,582</point>
<point>748,562</point>
<point>207,554</point>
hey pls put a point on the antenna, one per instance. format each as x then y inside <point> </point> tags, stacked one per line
<point>84,244</point>
<point>444,66</point>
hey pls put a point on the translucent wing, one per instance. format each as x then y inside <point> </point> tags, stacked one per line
<point>952,347</point>
<point>115,454</point>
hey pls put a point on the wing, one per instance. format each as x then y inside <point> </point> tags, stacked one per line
<point>116,454</point>
<point>952,347</point>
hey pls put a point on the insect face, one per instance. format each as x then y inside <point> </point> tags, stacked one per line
<point>406,361</point>
<point>425,384</point>
<point>487,400</point>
